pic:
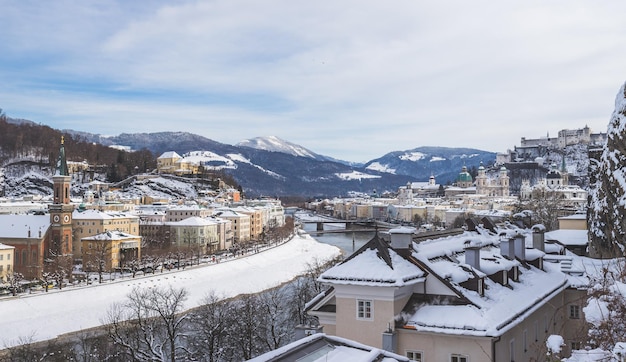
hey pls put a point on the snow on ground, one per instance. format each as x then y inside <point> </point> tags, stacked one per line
<point>355,175</point>
<point>377,166</point>
<point>412,156</point>
<point>46,316</point>
<point>239,158</point>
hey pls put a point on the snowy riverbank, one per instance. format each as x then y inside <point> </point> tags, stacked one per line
<point>46,316</point>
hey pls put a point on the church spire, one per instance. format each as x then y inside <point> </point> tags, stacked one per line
<point>61,169</point>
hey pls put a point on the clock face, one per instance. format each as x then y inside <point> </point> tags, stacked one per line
<point>66,218</point>
<point>56,218</point>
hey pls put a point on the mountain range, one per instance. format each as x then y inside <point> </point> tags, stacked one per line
<point>270,166</point>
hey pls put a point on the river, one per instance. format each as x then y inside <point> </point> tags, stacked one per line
<point>348,242</point>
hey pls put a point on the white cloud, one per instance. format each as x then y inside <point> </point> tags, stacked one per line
<point>352,80</point>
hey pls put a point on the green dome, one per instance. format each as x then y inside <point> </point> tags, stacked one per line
<point>464,176</point>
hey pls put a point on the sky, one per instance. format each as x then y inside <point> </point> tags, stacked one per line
<point>352,79</point>
<point>74,309</point>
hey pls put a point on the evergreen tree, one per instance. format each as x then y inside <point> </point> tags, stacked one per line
<point>607,197</point>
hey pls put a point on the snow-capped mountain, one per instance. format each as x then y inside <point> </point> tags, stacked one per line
<point>422,162</point>
<point>275,144</point>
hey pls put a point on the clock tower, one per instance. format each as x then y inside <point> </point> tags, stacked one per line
<point>61,210</point>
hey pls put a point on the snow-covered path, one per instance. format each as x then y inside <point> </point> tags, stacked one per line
<point>45,316</point>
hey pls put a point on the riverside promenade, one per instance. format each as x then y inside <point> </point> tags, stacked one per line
<point>45,316</point>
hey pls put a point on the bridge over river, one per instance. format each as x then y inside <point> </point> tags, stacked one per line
<point>344,226</point>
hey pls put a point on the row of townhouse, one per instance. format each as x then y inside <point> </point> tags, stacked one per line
<point>122,234</point>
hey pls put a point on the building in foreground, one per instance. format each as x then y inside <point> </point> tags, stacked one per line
<point>320,347</point>
<point>477,295</point>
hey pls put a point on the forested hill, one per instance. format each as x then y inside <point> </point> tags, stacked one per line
<point>30,142</point>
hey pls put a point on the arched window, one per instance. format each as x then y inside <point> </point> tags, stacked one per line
<point>24,257</point>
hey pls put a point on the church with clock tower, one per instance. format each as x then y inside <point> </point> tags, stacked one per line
<point>60,242</point>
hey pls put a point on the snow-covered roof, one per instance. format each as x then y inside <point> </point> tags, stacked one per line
<point>576,216</point>
<point>6,247</point>
<point>100,215</point>
<point>170,154</point>
<point>112,235</point>
<point>193,221</point>
<point>18,226</point>
<point>320,347</point>
<point>489,310</point>
<point>368,268</point>
<point>569,237</point>
<point>492,313</point>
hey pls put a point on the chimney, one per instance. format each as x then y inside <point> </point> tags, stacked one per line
<point>390,340</point>
<point>472,253</point>
<point>520,246</point>
<point>401,238</point>
<point>507,246</point>
<point>539,237</point>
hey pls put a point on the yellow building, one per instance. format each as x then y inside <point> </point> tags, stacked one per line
<point>87,223</point>
<point>6,261</point>
<point>167,162</point>
<point>240,224</point>
<point>257,221</point>
<point>114,248</point>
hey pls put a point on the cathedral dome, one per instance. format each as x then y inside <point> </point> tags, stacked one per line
<point>464,176</point>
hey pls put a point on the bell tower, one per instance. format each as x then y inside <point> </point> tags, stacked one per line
<point>61,209</point>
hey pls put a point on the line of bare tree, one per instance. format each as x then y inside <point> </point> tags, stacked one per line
<point>151,325</point>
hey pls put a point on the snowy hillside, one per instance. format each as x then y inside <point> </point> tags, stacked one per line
<point>275,144</point>
<point>422,162</point>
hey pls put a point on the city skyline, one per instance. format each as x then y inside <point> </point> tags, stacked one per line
<point>350,80</point>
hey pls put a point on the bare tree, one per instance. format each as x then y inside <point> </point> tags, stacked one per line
<point>277,327</point>
<point>149,326</point>
<point>608,300</point>
<point>246,328</point>
<point>26,350</point>
<point>96,257</point>
<point>212,323</point>
<point>14,280</point>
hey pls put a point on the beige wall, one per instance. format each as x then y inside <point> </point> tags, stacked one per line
<point>572,224</point>
<point>364,331</point>
<point>85,227</point>
<point>439,347</point>
<point>6,261</point>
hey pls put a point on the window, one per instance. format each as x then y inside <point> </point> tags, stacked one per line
<point>414,355</point>
<point>459,358</point>
<point>8,256</point>
<point>512,350</point>
<point>525,335</point>
<point>574,311</point>
<point>1,256</point>
<point>1,266</point>
<point>364,309</point>
<point>536,331</point>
